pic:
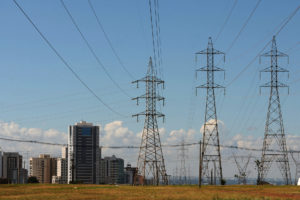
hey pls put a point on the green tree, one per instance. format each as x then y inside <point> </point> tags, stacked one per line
<point>32,179</point>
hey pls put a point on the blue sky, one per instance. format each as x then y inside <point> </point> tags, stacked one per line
<point>38,91</point>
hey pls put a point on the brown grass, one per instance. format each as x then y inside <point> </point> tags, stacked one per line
<point>110,192</point>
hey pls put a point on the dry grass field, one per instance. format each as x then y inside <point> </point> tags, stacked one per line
<point>111,192</point>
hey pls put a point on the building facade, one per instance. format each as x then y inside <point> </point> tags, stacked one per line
<point>62,168</point>
<point>112,170</point>
<point>62,172</point>
<point>83,153</point>
<point>12,168</point>
<point>130,174</point>
<point>43,167</point>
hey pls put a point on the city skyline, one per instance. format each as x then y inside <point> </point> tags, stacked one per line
<point>40,98</point>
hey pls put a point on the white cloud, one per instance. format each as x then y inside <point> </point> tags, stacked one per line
<point>116,134</point>
<point>221,126</point>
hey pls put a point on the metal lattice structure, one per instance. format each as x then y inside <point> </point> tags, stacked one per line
<point>296,158</point>
<point>274,137</point>
<point>182,157</point>
<point>210,156</point>
<point>242,163</point>
<point>151,166</point>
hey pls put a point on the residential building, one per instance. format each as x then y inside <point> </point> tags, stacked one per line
<point>43,167</point>
<point>130,174</point>
<point>83,153</point>
<point>12,168</point>
<point>64,152</point>
<point>112,170</point>
<point>62,168</point>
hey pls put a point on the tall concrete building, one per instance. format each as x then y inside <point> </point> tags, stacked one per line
<point>112,170</point>
<point>130,174</point>
<point>12,168</point>
<point>83,153</point>
<point>62,172</point>
<point>62,168</point>
<point>64,152</point>
<point>43,167</point>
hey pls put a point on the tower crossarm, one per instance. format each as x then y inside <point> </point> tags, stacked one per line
<point>278,69</point>
<point>149,113</point>
<point>147,97</point>
<point>206,68</point>
<point>274,53</point>
<point>278,84</point>
<point>210,51</point>
<point>147,79</point>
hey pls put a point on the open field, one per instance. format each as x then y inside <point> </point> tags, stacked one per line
<point>111,192</point>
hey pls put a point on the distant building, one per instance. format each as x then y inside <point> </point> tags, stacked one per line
<point>62,171</point>
<point>43,167</point>
<point>12,168</point>
<point>62,168</point>
<point>83,153</point>
<point>130,174</point>
<point>112,170</point>
<point>64,152</point>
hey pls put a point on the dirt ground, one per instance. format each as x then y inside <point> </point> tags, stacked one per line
<point>122,192</point>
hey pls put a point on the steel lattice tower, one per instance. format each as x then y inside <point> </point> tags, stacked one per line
<point>210,157</point>
<point>182,157</point>
<point>242,163</point>
<point>296,158</point>
<point>274,138</point>
<point>151,166</point>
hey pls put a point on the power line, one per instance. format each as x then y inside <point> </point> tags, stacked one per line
<point>153,37</point>
<point>138,147</point>
<point>65,62</point>
<point>226,20</point>
<point>92,50</point>
<point>251,62</point>
<point>108,40</point>
<point>244,25</point>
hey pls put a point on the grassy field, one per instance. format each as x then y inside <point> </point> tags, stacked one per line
<point>111,192</point>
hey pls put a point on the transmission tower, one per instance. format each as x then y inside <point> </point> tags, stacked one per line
<point>242,163</point>
<point>274,137</point>
<point>182,169</point>
<point>151,166</point>
<point>210,157</point>
<point>296,158</point>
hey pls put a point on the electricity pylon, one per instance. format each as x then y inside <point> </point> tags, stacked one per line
<point>151,165</point>
<point>210,156</point>
<point>274,138</point>
<point>242,163</point>
<point>182,157</point>
<point>296,158</point>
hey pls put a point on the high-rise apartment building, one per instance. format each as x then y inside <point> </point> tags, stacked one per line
<point>112,170</point>
<point>43,167</point>
<point>83,153</point>
<point>12,168</point>
<point>62,168</point>
<point>130,174</point>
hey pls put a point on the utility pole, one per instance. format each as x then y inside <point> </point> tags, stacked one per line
<point>200,165</point>
<point>151,165</point>
<point>274,137</point>
<point>210,155</point>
